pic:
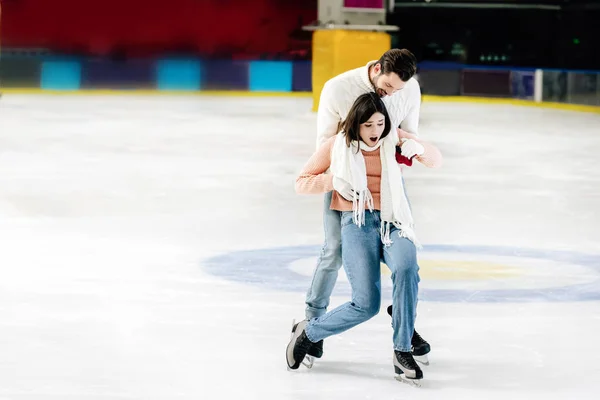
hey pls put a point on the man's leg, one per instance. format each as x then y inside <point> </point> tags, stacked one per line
<point>328,263</point>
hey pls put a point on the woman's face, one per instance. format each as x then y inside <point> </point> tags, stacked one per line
<point>371,130</point>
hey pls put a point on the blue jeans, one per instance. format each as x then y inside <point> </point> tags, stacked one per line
<point>362,253</point>
<point>328,263</point>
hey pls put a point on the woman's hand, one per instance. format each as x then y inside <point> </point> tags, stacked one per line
<point>411,148</point>
<point>343,188</point>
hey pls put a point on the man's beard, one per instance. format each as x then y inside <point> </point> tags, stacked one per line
<point>380,92</point>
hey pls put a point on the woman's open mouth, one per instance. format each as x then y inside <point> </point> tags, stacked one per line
<point>374,139</point>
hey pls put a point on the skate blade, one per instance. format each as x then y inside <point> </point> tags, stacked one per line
<point>308,361</point>
<point>411,382</point>
<point>422,359</point>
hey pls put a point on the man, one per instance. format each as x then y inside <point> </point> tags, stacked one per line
<point>392,78</point>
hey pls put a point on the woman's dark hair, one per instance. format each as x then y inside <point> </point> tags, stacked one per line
<point>363,108</point>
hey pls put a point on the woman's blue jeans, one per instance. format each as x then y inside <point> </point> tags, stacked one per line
<point>362,253</point>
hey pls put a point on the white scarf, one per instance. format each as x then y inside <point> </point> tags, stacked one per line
<point>349,165</point>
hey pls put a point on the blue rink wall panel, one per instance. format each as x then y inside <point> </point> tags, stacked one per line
<point>107,74</point>
<point>61,75</point>
<point>271,76</point>
<point>179,74</point>
<point>225,75</point>
<point>302,76</point>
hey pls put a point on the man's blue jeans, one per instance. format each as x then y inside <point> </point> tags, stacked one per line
<point>328,263</point>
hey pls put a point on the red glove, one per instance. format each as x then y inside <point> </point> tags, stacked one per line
<point>401,159</point>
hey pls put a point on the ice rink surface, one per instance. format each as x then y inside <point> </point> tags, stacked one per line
<point>154,248</point>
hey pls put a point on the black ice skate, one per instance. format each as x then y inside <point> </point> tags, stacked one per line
<point>315,351</point>
<point>406,368</point>
<point>298,346</point>
<point>420,347</point>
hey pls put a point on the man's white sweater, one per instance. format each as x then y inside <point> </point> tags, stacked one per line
<point>339,93</point>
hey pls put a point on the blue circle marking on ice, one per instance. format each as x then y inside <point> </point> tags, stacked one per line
<point>490,274</point>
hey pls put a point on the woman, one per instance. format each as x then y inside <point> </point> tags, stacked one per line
<point>364,174</point>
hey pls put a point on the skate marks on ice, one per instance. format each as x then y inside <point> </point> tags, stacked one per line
<point>490,375</point>
<point>440,375</point>
<point>452,367</point>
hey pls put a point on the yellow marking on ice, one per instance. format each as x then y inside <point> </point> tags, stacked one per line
<point>462,270</point>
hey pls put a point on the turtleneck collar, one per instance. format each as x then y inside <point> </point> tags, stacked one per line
<point>364,76</point>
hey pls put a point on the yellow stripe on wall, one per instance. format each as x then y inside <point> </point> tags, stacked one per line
<point>516,102</point>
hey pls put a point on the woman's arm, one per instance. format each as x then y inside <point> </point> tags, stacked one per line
<point>312,178</point>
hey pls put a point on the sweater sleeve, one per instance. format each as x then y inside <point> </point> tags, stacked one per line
<point>328,117</point>
<point>312,178</point>
<point>410,123</point>
<point>432,157</point>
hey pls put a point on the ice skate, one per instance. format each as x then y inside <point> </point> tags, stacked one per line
<point>406,369</point>
<point>315,351</point>
<point>298,347</point>
<point>420,347</point>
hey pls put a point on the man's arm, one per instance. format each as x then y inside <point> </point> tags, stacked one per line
<point>411,121</point>
<point>432,157</point>
<point>328,118</point>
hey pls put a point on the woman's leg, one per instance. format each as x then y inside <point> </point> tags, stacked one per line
<point>401,259</point>
<point>361,255</point>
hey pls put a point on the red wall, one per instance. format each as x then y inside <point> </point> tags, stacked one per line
<point>245,28</point>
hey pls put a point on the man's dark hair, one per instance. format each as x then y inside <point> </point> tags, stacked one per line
<point>400,61</point>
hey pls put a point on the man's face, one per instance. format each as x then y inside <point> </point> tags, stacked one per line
<point>388,84</point>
